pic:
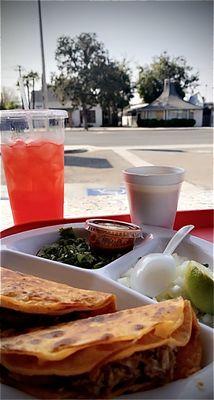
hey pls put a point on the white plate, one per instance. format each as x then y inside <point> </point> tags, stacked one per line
<point>29,242</point>
<point>155,239</point>
<point>18,252</point>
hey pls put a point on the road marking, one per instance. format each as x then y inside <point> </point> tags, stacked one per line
<point>130,157</point>
<point>161,146</point>
<point>188,189</point>
<point>143,147</point>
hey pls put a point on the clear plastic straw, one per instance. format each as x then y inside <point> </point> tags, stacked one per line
<point>26,107</point>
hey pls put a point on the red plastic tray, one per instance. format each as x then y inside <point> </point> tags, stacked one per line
<point>201,219</point>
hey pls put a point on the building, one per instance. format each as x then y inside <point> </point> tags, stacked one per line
<point>169,105</point>
<point>130,114</point>
<point>196,99</point>
<point>208,114</point>
<point>208,111</point>
<point>74,114</point>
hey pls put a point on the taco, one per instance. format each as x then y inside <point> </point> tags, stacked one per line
<point>28,301</point>
<point>106,355</point>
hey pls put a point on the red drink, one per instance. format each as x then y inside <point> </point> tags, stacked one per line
<point>35,179</point>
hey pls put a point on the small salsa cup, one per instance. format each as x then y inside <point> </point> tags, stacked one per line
<point>108,235</point>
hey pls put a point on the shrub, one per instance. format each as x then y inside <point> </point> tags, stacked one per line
<point>156,123</point>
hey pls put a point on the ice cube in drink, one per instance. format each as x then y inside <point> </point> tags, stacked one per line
<point>35,179</point>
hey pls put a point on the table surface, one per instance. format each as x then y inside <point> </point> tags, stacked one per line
<point>201,219</point>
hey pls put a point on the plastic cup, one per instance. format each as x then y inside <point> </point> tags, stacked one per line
<point>153,193</point>
<point>32,149</point>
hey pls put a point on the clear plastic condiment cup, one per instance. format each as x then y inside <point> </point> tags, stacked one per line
<point>108,235</point>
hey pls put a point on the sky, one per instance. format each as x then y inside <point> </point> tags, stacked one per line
<point>135,30</point>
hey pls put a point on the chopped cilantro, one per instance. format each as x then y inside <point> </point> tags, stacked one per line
<point>73,250</point>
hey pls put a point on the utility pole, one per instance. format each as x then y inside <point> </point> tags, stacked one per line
<point>44,84</point>
<point>19,69</point>
<point>33,79</point>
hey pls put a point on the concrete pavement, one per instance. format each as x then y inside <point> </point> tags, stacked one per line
<point>90,167</point>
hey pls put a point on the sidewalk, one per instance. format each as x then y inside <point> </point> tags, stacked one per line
<point>79,204</point>
<point>132,128</point>
<point>101,193</point>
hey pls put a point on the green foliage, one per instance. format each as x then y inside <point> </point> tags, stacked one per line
<point>174,122</point>
<point>87,76</point>
<point>29,80</point>
<point>151,78</point>
<point>78,61</point>
<point>114,87</point>
<point>30,77</point>
<point>9,100</point>
<point>8,105</point>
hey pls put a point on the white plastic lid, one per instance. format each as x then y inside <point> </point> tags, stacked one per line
<point>34,114</point>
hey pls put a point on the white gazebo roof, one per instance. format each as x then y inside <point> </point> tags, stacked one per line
<point>170,100</point>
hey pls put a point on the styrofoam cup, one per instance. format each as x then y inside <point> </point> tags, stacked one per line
<point>153,193</point>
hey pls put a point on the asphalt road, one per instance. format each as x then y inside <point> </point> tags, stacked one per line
<point>98,156</point>
<point>139,137</point>
<point>108,152</point>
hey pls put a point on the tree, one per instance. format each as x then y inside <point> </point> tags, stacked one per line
<point>78,61</point>
<point>33,77</point>
<point>9,100</point>
<point>29,81</point>
<point>151,78</point>
<point>114,88</point>
<point>88,77</point>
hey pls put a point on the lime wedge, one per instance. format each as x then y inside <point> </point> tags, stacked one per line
<point>199,286</point>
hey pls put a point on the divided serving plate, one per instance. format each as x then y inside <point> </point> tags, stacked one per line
<point>18,253</point>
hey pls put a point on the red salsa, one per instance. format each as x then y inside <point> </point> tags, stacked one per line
<point>109,235</point>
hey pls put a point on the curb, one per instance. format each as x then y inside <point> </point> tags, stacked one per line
<point>127,128</point>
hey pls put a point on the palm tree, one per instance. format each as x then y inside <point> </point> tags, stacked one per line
<point>34,76</point>
<point>26,83</point>
<point>29,80</point>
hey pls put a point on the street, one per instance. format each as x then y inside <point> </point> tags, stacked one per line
<point>94,161</point>
<point>129,136</point>
<point>98,156</point>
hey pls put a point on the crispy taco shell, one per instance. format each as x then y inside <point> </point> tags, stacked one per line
<point>27,301</point>
<point>106,355</point>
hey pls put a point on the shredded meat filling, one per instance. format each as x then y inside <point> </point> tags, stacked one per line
<point>139,368</point>
<point>152,367</point>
